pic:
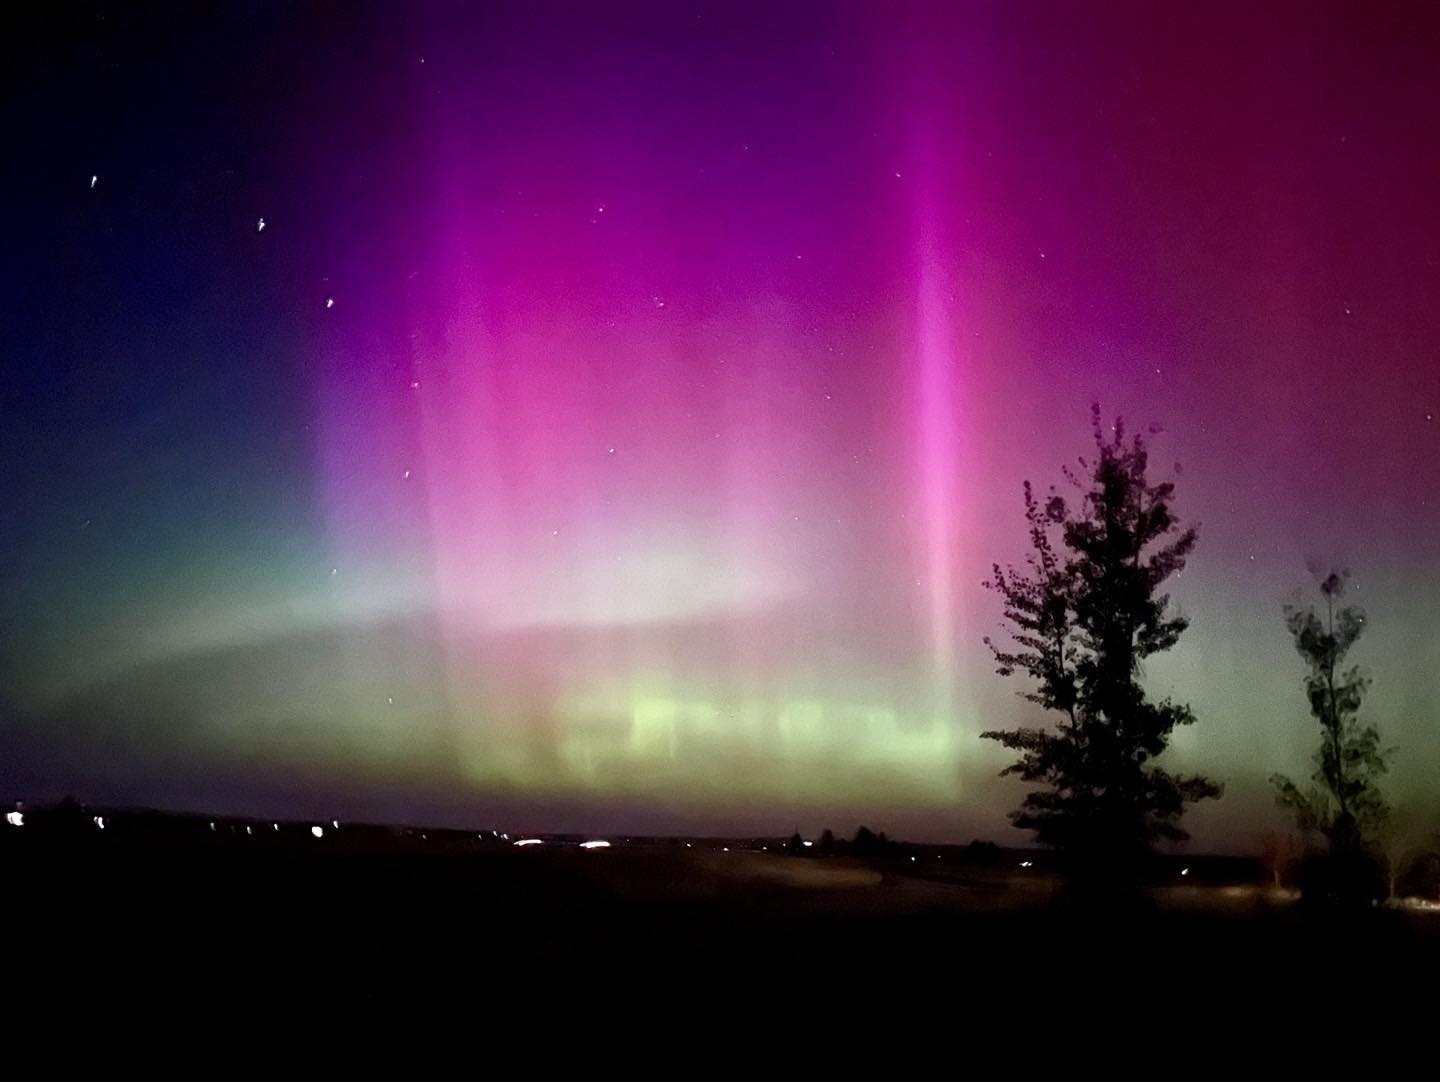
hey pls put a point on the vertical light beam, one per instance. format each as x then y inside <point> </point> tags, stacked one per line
<point>937,447</point>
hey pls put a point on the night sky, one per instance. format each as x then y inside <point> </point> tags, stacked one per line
<point>603,416</point>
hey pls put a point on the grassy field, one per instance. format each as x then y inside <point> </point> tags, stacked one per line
<point>216,926</point>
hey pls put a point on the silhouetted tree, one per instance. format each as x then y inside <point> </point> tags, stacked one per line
<point>796,845</point>
<point>827,842</point>
<point>1408,838</point>
<point>67,818</point>
<point>865,843</point>
<point>1421,878</point>
<point>1083,617</point>
<point>1343,801</point>
<point>980,852</point>
<point>1281,854</point>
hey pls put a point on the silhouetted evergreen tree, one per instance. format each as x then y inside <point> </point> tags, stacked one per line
<point>1083,617</point>
<point>1343,801</point>
<point>865,843</point>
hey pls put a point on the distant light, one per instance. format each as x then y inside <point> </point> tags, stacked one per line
<point>212,826</point>
<point>260,226</point>
<point>1184,871</point>
<point>529,841</point>
<point>99,821</point>
<point>807,845</point>
<point>249,830</point>
<point>319,832</point>
<point>594,845</point>
<point>727,849</point>
<point>505,836</point>
<point>687,845</point>
<point>912,860</point>
<point>329,302</point>
<point>1025,864</point>
<point>335,823</point>
<point>274,826</point>
<point>94,180</point>
<point>15,819</point>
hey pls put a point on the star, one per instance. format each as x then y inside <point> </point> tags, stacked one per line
<point>94,180</point>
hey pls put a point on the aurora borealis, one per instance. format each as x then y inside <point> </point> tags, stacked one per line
<point>616,416</point>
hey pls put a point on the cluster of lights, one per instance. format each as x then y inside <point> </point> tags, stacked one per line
<point>15,818</point>
<point>595,845</point>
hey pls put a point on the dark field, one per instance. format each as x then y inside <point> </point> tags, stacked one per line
<point>208,923</point>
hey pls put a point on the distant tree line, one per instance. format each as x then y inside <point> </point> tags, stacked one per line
<point>867,844</point>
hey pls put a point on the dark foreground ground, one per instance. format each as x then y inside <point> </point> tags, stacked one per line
<point>558,936</point>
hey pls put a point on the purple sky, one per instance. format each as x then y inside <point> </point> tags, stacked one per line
<point>683,367</point>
